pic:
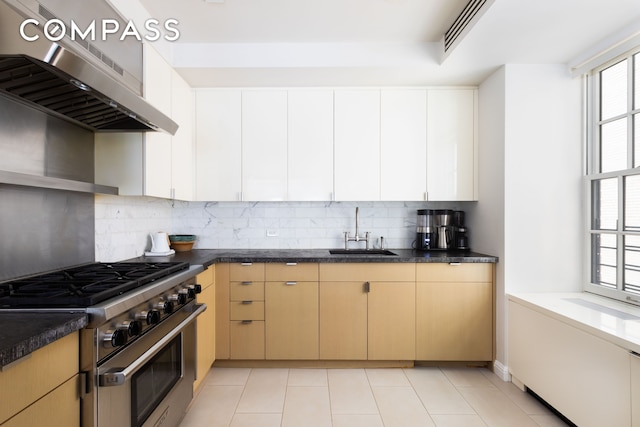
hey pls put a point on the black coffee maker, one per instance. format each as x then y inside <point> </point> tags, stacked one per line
<point>426,235</point>
<point>461,239</point>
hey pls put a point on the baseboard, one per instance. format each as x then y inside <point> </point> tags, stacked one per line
<point>501,371</point>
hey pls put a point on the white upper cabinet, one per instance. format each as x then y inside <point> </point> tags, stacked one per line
<point>152,163</point>
<point>451,144</point>
<point>157,145</point>
<point>264,145</point>
<point>218,144</point>
<point>310,146</point>
<point>357,144</point>
<point>182,143</point>
<point>403,144</point>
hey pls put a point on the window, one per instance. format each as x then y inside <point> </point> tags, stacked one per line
<point>613,179</point>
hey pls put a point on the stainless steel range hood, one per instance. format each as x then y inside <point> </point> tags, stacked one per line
<point>93,83</point>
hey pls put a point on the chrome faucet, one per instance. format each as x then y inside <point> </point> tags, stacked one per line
<point>357,238</point>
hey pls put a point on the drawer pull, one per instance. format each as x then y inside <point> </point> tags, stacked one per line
<point>246,283</point>
<point>291,283</point>
<point>291,264</point>
<point>246,264</point>
<point>246,322</point>
<point>455,264</point>
<point>247,302</point>
<point>367,287</point>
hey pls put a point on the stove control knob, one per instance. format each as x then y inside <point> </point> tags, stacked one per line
<point>178,298</point>
<point>115,338</point>
<point>193,290</point>
<point>165,307</point>
<point>183,295</point>
<point>133,327</point>
<point>153,317</point>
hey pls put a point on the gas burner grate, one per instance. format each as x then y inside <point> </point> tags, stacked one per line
<point>83,286</point>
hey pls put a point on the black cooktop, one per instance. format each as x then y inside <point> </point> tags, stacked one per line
<point>83,286</point>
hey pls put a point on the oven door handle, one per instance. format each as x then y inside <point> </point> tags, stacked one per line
<point>115,378</point>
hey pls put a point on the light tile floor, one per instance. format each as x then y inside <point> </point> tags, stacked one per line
<point>442,397</point>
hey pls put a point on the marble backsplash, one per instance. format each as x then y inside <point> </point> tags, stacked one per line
<point>123,224</point>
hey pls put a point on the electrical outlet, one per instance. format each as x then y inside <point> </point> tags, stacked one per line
<point>272,233</point>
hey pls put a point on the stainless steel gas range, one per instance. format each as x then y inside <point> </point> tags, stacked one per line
<point>137,354</point>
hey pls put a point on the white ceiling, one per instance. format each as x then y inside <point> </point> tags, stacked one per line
<point>376,42</point>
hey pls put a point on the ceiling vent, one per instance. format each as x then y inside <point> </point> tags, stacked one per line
<point>470,14</point>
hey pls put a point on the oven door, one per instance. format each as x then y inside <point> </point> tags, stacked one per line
<point>150,382</point>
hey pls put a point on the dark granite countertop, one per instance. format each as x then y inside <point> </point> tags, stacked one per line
<point>24,333</point>
<point>207,257</point>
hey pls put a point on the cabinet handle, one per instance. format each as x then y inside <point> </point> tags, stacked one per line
<point>455,264</point>
<point>246,264</point>
<point>247,302</point>
<point>367,287</point>
<point>291,264</point>
<point>246,283</point>
<point>246,322</point>
<point>291,283</point>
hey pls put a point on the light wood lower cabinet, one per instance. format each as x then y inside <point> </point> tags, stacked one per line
<point>291,320</point>
<point>374,319</point>
<point>206,325</point>
<point>391,326</point>
<point>60,407</point>
<point>246,339</point>
<point>246,311</point>
<point>355,311</point>
<point>44,389</point>
<point>291,311</point>
<point>454,312</point>
<point>343,321</point>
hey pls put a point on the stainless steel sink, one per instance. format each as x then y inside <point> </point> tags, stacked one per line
<point>361,252</point>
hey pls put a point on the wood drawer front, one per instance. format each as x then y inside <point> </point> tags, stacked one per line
<point>246,340</point>
<point>248,290</point>
<point>206,278</point>
<point>372,272</point>
<point>246,271</point>
<point>463,272</point>
<point>46,369</point>
<point>249,311</point>
<point>291,272</point>
<point>61,407</point>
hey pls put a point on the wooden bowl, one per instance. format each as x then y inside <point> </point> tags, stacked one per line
<point>182,246</point>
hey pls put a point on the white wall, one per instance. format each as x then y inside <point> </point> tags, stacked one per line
<point>488,215</point>
<point>530,212</point>
<point>543,173</point>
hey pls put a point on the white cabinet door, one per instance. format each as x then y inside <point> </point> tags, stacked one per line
<point>451,144</point>
<point>635,390</point>
<point>157,145</point>
<point>264,145</point>
<point>157,80</point>
<point>310,146</point>
<point>403,144</point>
<point>357,144</point>
<point>153,163</point>
<point>182,146</point>
<point>218,145</point>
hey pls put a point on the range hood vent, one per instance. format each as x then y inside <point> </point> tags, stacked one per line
<point>38,84</point>
<point>94,84</point>
<point>464,21</point>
